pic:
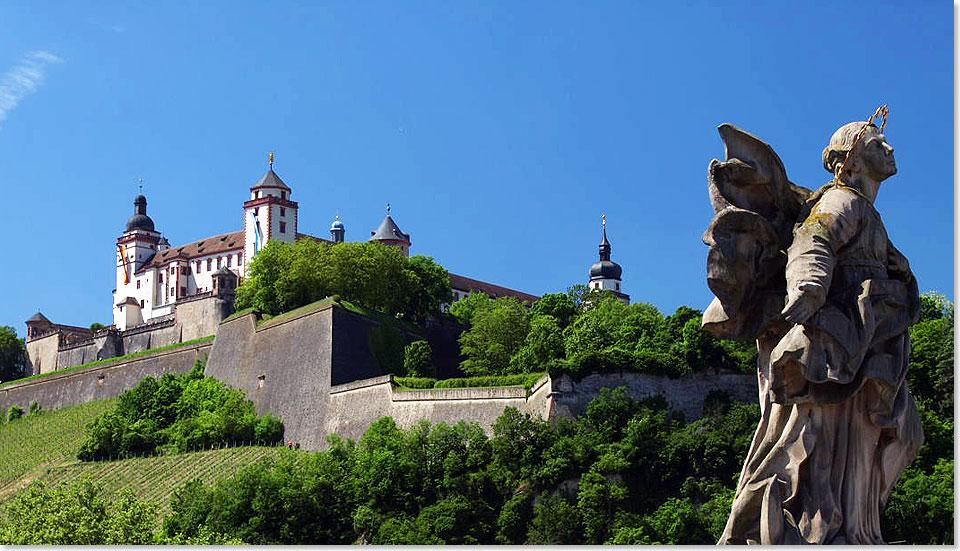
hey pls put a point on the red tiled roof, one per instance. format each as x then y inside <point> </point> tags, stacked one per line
<point>466,284</point>
<point>212,245</point>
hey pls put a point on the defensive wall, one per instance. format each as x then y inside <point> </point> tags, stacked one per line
<point>195,317</point>
<point>320,369</point>
<point>102,381</point>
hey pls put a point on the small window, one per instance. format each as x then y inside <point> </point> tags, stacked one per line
<point>199,266</point>
<point>183,291</point>
<point>209,264</point>
<point>283,227</point>
<point>283,211</point>
<point>138,284</point>
<point>239,259</point>
<point>229,260</point>
<point>141,303</point>
<point>219,258</point>
<point>618,286</point>
<point>283,194</point>
<point>161,278</point>
<point>256,212</point>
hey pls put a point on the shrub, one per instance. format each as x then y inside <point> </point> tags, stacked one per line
<point>418,361</point>
<point>35,408</point>
<point>415,382</point>
<point>15,412</point>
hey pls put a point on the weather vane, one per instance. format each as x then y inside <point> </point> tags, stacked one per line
<point>140,185</point>
<point>388,209</point>
<point>604,220</point>
<point>271,159</point>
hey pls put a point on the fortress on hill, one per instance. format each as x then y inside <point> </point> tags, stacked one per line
<point>166,295</point>
<point>322,368</point>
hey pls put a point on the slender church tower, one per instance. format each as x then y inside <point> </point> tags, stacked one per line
<point>138,243</point>
<point>605,274</point>
<point>337,230</point>
<point>269,214</point>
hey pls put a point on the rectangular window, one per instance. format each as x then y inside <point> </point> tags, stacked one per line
<point>199,266</point>
<point>183,291</point>
<point>219,258</point>
<point>239,259</point>
<point>229,260</point>
<point>283,227</point>
<point>256,211</point>
<point>283,194</point>
<point>138,284</point>
<point>283,211</point>
<point>141,303</point>
<point>161,278</point>
<point>209,264</point>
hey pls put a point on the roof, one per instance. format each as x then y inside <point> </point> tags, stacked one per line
<point>314,237</point>
<point>270,179</point>
<point>37,318</point>
<point>389,230</point>
<point>466,284</point>
<point>205,247</point>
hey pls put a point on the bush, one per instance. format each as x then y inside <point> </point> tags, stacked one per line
<point>15,412</point>
<point>35,408</point>
<point>185,411</point>
<point>418,360</point>
<point>415,382</point>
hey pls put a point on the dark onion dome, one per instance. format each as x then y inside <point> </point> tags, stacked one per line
<point>270,179</point>
<point>605,268</point>
<point>389,231</point>
<point>140,220</point>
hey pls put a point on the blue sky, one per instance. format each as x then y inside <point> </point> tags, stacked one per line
<point>499,131</point>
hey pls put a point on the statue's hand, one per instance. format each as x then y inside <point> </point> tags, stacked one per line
<point>803,302</point>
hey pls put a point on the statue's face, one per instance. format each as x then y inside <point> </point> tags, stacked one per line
<point>876,155</point>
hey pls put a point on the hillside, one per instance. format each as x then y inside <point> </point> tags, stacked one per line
<point>43,447</point>
<point>156,478</point>
<point>39,441</point>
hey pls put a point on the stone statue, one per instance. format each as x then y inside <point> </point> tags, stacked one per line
<point>814,279</point>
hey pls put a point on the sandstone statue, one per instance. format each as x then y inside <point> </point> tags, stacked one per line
<point>813,278</point>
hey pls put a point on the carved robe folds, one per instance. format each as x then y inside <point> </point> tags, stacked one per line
<point>838,425</point>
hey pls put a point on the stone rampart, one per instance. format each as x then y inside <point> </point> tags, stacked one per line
<point>684,394</point>
<point>100,382</point>
<point>283,364</point>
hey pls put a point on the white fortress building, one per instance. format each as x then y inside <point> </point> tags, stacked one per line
<point>171,294</point>
<point>152,276</point>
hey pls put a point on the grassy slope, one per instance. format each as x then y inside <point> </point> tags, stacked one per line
<point>156,478</point>
<point>43,448</point>
<point>46,439</point>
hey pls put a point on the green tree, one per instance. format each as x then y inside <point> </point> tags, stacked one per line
<point>13,355</point>
<point>559,305</point>
<point>96,326</point>
<point>76,514</point>
<point>497,333</point>
<point>544,342</point>
<point>418,360</point>
<point>464,309</point>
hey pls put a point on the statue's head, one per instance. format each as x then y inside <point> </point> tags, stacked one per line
<point>873,156</point>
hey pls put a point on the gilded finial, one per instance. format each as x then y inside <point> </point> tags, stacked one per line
<point>271,159</point>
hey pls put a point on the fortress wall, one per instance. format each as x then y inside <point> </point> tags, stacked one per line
<point>292,353</point>
<point>685,394</point>
<point>352,357</point>
<point>77,356</point>
<point>100,382</point>
<point>200,318</point>
<point>42,353</point>
<point>353,407</point>
<point>145,340</point>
